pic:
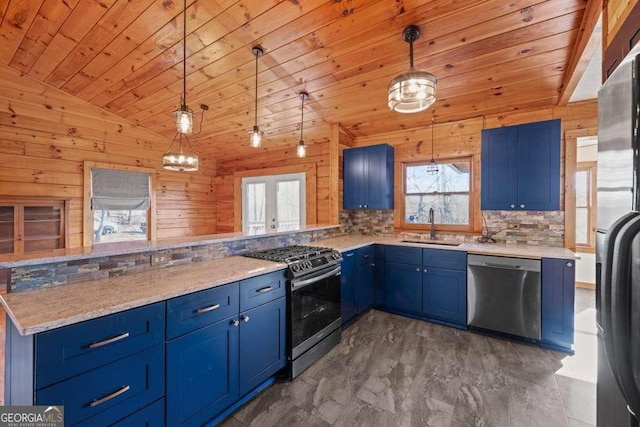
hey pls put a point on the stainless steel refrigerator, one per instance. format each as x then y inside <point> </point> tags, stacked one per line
<point>618,247</point>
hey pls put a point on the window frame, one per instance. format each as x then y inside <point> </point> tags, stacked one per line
<point>592,170</point>
<point>400,209</point>
<point>87,226</point>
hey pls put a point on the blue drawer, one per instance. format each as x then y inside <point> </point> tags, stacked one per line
<point>149,416</point>
<point>261,289</point>
<point>194,311</point>
<point>111,391</point>
<point>365,255</point>
<point>403,255</point>
<point>443,258</point>
<point>69,351</point>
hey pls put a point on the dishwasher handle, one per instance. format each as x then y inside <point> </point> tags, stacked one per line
<point>506,266</point>
<point>505,263</point>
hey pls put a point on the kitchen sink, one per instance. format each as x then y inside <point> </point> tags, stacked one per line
<point>422,242</point>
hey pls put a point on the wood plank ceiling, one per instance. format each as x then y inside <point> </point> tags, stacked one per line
<point>126,57</point>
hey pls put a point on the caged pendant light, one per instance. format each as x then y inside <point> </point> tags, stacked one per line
<point>301,150</point>
<point>255,134</point>
<point>432,167</point>
<point>182,160</point>
<point>413,91</point>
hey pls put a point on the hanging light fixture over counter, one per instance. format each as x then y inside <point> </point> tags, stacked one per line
<point>255,134</point>
<point>184,159</point>
<point>413,91</point>
<point>301,151</point>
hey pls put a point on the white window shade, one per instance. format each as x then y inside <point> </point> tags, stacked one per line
<point>119,190</point>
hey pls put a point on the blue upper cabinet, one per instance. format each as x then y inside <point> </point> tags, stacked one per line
<point>521,167</point>
<point>368,177</point>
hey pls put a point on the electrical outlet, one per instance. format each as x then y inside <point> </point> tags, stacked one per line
<point>159,258</point>
<point>513,226</point>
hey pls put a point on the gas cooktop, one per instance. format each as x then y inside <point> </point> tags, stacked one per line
<point>302,260</point>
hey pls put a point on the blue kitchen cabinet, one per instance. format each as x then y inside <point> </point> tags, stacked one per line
<point>402,279</point>
<point>368,177</point>
<point>364,286</point>
<point>521,167</point>
<point>378,275</point>
<point>445,295</point>
<point>202,373</point>
<point>348,280</point>
<point>558,294</point>
<point>150,416</point>
<point>262,343</point>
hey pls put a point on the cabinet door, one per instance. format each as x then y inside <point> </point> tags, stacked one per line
<point>262,343</point>
<point>402,287</point>
<point>150,416</point>
<point>364,287</point>
<point>499,187</point>
<point>202,374</point>
<point>378,275</point>
<point>353,178</point>
<point>539,166</point>
<point>348,279</point>
<point>379,172</point>
<point>445,295</point>
<point>558,292</point>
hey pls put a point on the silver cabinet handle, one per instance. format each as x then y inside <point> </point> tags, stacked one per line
<point>365,256</point>
<point>569,264</point>
<point>263,290</point>
<point>373,264</point>
<point>235,322</point>
<point>366,206</point>
<point>417,268</point>
<point>351,254</point>
<point>109,340</point>
<point>245,318</point>
<point>359,206</point>
<point>512,206</point>
<point>206,309</point>
<point>425,270</point>
<point>522,206</point>
<point>108,397</point>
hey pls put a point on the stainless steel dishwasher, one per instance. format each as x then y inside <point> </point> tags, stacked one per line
<point>503,294</point>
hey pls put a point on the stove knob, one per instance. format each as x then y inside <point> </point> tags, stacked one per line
<point>295,267</point>
<point>309,265</point>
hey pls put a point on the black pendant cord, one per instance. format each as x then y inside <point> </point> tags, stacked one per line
<point>184,57</point>
<point>302,117</point>
<point>255,125</point>
<point>432,133</point>
<point>411,55</point>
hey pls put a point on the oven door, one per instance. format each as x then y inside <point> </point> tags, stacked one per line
<point>314,309</point>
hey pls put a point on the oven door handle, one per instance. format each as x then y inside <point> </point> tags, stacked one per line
<point>306,282</point>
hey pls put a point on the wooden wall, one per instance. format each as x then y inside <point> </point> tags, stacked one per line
<point>462,138</point>
<point>615,13</point>
<point>273,162</point>
<point>45,135</point>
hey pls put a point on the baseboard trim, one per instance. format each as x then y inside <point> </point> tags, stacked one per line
<point>585,285</point>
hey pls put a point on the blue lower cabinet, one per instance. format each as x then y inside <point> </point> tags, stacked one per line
<point>364,287</point>
<point>262,343</point>
<point>348,280</point>
<point>558,294</point>
<point>378,276</point>
<point>107,394</point>
<point>150,416</point>
<point>202,373</point>
<point>403,287</point>
<point>445,295</point>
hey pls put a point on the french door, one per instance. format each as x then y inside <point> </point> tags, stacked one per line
<point>273,203</point>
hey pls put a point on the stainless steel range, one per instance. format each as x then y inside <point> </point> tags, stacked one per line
<point>313,301</point>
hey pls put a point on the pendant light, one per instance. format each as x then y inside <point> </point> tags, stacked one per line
<point>413,91</point>
<point>180,160</point>
<point>432,167</point>
<point>255,135</point>
<point>301,151</point>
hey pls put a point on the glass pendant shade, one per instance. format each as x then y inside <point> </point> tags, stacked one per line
<point>413,91</point>
<point>301,150</point>
<point>184,119</point>
<point>255,137</point>
<point>432,167</point>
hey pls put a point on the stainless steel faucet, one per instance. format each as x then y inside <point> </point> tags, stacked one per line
<point>432,232</point>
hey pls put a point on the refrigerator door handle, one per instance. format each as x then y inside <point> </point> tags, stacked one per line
<point>621,297</point>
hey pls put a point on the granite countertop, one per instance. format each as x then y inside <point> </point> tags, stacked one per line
<point>43,309</point>
<point>345,243</point>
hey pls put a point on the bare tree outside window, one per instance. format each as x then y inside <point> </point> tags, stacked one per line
<point>446,192</point>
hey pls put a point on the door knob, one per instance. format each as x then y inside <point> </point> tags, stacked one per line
<point>522,206</point>
<point>235,322</point>
<point>569,264</point>
<point>245,318</point>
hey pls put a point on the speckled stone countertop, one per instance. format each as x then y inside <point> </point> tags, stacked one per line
<point>49,308</point>
<point>349,242</point>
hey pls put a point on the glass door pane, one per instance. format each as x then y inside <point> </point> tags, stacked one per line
<point>288,212</point>
<point>6,229</point>
<point>255,201</point>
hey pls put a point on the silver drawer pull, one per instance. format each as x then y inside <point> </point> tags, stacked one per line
<point>263,290</point>
<point>108,397</point>
<point>109,340</point>
<point>206,309</point>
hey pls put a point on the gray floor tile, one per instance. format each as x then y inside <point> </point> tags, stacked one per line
<point>576,423</point>
<point>579,398</point>
<point>531,404</point>
<point>478,407</point>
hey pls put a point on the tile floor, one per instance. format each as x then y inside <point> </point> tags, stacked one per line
<point>394,371</point>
